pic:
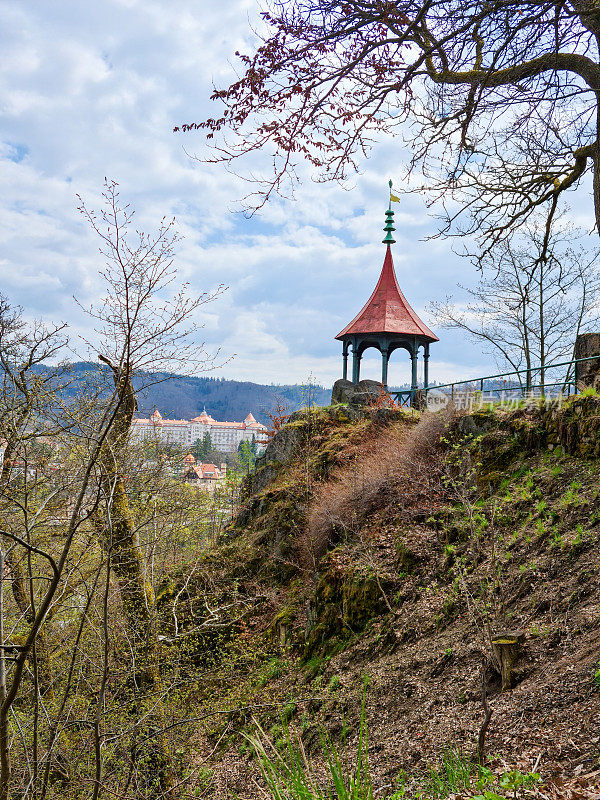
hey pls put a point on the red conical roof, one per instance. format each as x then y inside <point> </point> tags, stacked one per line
<point>387,310</point>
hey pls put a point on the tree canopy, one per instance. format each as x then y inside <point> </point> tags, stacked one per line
<point>528,310</point>
<point>498,100</point>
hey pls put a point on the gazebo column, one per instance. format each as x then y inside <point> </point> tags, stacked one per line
<point>414,385</point>
<point>426,367</point>
<point>355,365</point>
<point>385,359</point>
<point>345,357</point>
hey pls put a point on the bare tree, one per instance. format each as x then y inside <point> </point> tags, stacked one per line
<point>501,98</point>
<point>75,529</point>
<point>28,393</point>
<point>534,298</point>
<point>49,570</point>
<point>138,330</point>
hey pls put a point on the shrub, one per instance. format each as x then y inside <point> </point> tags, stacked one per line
<point>399,467</point>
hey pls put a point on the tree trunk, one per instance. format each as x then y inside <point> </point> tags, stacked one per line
<point>118,536</point>
<point>5,766</point>
<point>121,543</point>
<point>589,14</point>
<point>19,591</point>
<point>42,652</point>
<point>542,330</point>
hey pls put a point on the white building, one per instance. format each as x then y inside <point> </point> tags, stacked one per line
<point>225,436</point>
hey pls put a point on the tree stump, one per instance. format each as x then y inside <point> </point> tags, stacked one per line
<point>587,373</point>
<point>507,648</point>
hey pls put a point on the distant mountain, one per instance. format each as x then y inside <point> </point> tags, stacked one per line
<point>184,397</point>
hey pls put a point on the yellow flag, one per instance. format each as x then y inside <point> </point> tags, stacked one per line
<point>394,199</point>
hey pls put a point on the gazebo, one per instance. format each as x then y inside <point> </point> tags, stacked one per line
<point>387,322</point>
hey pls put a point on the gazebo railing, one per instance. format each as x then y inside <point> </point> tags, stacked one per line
<point>548,385</point>
<point>403,397</point>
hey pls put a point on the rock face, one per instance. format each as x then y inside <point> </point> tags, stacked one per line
<point>357,395</point>
<point>586,346</point>
<point>289,440</point>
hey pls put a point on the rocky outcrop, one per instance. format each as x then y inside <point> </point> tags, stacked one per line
<point>572,425</point>
<point>357,395</point>
<point>286,444</point>
<point>389,623</point>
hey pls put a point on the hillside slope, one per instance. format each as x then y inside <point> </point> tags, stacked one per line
<point>389,551</point>
<point>185,396</point>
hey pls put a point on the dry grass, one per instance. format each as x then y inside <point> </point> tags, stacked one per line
<point>398,468</point>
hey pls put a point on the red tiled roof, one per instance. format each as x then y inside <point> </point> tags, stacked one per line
<point>241,425</point>
<point>207,471</point>
<point>159,422</point>
<point>387,310</point>
<point>162,423</point>
<point>204,417</point>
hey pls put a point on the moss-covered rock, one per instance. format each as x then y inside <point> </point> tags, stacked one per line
<point>342,605</point>
<point>499,438</point>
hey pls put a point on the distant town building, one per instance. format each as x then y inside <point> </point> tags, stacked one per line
<point>203,476</point>
<point>225,436</point>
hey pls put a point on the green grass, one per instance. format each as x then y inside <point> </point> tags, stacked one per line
<point>452,776</point>
<point>456,775</point>
<point>288,775</point>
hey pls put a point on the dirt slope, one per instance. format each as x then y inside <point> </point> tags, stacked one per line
<point>387,551</point>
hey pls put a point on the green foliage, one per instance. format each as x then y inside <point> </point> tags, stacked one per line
<point>513,781</point>
<point>204,778</point>
<point>288,775</point>
<point>204,451</point>
<point>247,455</point>
<point>597,675</point>
<point>202,447</point>
<point>452,776</point>
<point>288,710</point>
<point>457,774</point>
<point>273,669</point>
<point>313,667</point>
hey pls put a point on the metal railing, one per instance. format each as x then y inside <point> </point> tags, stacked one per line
<point>547,387</point>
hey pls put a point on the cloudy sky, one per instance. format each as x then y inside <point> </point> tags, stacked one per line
<point>89,90</point>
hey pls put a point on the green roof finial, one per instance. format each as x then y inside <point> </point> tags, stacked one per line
<point>389,222</point>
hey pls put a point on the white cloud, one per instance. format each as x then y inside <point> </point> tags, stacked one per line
<point>92,90</point>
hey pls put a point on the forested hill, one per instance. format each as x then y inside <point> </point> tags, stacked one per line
<point>184,397</point>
